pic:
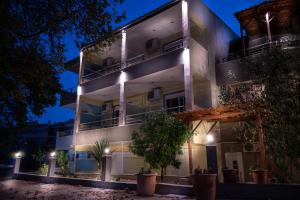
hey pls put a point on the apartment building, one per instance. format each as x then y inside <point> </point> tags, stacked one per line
<point>164,60</point>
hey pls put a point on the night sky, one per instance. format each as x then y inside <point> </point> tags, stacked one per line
<point>134,9</point>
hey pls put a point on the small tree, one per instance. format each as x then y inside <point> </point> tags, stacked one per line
<point>39,157</point>
<point>62,160</point>
<point>160,140</point>
<point>98,150</point>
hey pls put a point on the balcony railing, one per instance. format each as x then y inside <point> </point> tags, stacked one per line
<point>166,48</point>
<point>140,117</point>
<point>130,119</point>
<point>284,42</point>
<point>68,96</point>
<point>103,123</point>
<point>102,72</point>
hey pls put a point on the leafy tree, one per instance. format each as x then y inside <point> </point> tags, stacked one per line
<point>274,92</point>
<point>39,157</point>
<point>160,140</point>
<point>32,51</point>
<point>98,150</point>
<point>62,160</point>
<point>31,48</point>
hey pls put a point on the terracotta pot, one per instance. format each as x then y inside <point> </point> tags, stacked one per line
<point>146,184</point>
<point>230,175</point>
<point>260,176</point>
<point>205,186</point>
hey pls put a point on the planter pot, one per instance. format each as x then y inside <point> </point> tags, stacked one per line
<point>260,176</point>
<point>205,186</point>
<point>146,184</point>
<point>230,175</point>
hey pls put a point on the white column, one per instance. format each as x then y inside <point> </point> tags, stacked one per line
<point>122,103</point>
<point>78,102</point>
<point>188,79</point>
<point>106,168</point>
<point>17,165</point>
<point>51,166</point>
<point>78,108</point>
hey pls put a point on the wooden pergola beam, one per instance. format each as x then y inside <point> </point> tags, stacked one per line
<point>228,114</point>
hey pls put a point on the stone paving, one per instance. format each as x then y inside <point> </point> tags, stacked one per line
<point>23,190</point>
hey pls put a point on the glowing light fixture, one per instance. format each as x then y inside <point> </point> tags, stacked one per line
<point>18,154</point>
<point>209,138</point>
<point>106,150</point>
<point>123,77</point>
<point>53,154</point>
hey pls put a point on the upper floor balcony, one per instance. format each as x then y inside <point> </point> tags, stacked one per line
<point>152,43</point>
<point>230,69</point>
<point>68,98</point>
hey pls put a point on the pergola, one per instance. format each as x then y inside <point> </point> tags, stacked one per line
<point>225,114</point>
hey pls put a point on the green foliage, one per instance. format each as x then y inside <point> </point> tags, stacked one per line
<point>160,139</point>
<point>39,157</point>
<point>32,35</point>
<point>97,151</point>
<point>62,160</point>
<point>43,169</point>
<point>276,72</point>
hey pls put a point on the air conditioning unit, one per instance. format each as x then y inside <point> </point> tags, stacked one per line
<point>107,107</point>
<point>108,61</point>
<point>154,94</point>
<point>251,147</point>
<point>153,45</point>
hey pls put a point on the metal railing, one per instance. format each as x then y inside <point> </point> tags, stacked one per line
<point>140,117</point>
<point>172,46</point>
<point>257,49</point>
<point>135,59</point>
<point>102,72</point>
<point>104,123</point>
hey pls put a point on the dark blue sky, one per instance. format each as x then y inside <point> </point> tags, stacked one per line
<point>135,8</point>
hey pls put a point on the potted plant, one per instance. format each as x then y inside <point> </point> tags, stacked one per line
<point>97,151</point>
<point>230,175</point>
<point>146,182</point>
<point>159,141</point>
<point>204,184</point>
<point>259,175</point>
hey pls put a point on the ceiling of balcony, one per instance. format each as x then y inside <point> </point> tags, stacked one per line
<point>163,79</point>
<point>166,26</point>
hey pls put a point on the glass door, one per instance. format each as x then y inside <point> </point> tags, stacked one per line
<point>174,102</point>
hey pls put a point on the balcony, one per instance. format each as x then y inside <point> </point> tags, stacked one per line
<point>257,46</point>
<point>68,97</point>
<point>152,45</point>
<point>135,116</point>
<point>230,69</point>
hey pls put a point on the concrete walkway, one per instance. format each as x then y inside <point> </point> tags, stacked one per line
<point>22,190</point>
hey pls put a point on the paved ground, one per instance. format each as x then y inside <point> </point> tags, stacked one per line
<point>23,190</point>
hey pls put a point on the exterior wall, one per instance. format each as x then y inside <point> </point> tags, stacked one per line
<point>112,134</point>
<point>213,39</point>
<point>212,42</point>
<point>64,142</point>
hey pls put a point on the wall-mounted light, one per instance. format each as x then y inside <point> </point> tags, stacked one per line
<point>79,90</point>
<point>209,138</point>
<point>123,77</point>
<point>52,154</point>
<point>106,150</point>
<point>18,154</point>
